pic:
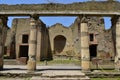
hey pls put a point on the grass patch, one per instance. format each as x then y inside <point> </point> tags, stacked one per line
<point>59,61</point>
<point>16,78</point>
<point>81,6</point>
<point>105,78</point>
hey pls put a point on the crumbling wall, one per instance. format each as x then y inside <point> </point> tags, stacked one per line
<point>75,27</point>
<point>105,48</point>
<point>81,6</point>
<point>104,38</point>
<point>10,44</point>
<point>42,41</point>
<point>20,27</point>
<point>60,30</point>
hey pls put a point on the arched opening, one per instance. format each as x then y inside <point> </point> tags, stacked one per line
<point>59,44</point>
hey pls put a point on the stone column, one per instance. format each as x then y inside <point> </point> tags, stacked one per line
<point>3,32</point>
<point>85,56</point>
<point>117,42</point>
<point>31,65</point>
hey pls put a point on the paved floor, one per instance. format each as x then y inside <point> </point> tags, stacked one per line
<point>23,68</point>
<point>45,70</point>
<point>5,78</point>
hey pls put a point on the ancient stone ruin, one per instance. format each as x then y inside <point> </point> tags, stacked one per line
<point>59,40</point>
<point>29,40</point>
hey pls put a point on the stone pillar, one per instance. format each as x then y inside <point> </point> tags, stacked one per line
<point>117,42</point>
<point>3,32</point>
<point>85,56</point>
<point>31,65</point>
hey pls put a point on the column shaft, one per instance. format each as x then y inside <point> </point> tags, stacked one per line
<point>3,32</point>
<point>85,56</point>
<point>117,45</point>
<point>31,66</point>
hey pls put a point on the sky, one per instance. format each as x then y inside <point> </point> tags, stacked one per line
<point>66,20</point>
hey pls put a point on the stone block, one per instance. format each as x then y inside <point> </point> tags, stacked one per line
<point>31,66</point>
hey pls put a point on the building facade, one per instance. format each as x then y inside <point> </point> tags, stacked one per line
<point>58,40</point>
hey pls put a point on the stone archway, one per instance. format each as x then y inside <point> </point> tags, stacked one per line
<point>59,44</point>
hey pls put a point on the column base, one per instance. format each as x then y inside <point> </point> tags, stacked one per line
<point>85,66</point>
<point>1,64</point>
<point>86,71</point>
<point>117,68</point>
<point>31,65</point>
<point>1,67</point>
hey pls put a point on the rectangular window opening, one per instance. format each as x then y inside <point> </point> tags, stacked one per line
<point>25,38</point>
<point>91,37</point>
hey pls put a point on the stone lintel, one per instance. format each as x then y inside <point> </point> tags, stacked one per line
<point>95,6</point>
<point>59,13</point>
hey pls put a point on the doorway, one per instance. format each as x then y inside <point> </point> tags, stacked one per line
<point>93,51</point>
<point>23,54</point>
<point>23,51</point>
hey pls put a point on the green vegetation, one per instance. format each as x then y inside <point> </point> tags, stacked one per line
<point>107,70</point>
<point>59,61</point>
<point>105,78</point>
<point>84,6</point>
<point>6,57</point>
<point>14,78</point>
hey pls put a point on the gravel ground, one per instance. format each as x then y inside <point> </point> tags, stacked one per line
<point>7,78</point>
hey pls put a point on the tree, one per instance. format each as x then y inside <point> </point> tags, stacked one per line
<point>111,0</point>
<point>51,1</point>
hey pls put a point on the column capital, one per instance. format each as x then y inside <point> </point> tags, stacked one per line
<point>83,19</point>
<point>78,20</point>
<point>34,16</point>
<point>3,17</point>
<point>3,20</point>
<point>115,20</point>
<point>118,20</point>
<point>34,20</point>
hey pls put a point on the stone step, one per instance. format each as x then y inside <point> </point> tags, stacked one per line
<point>13,62</point>
<point>60,78</point>
<point>10,62</point>
<point>61,75</point>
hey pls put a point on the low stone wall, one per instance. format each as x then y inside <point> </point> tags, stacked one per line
<point>103,74</point>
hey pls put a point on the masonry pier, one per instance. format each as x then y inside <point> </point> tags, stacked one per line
<point>85,56</point>
<point>3,31</point>
<point>31,66</point>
